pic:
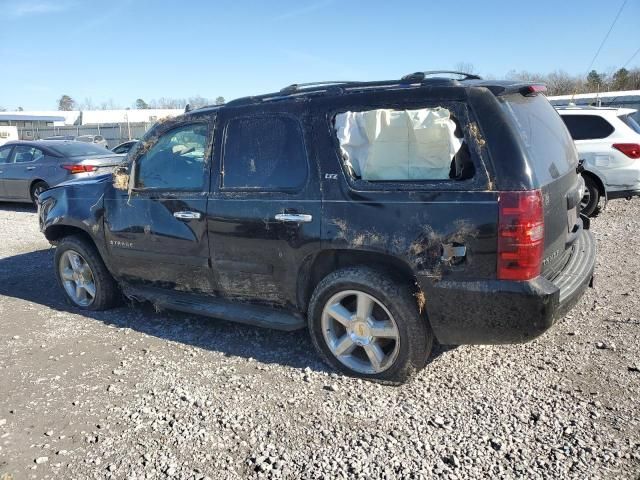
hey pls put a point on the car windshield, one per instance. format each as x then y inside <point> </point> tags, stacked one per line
<point>79,149</point>
<point>84,138</point>
<point>631,122</point>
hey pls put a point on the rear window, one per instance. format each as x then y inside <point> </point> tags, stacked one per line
<point>587,127</point>
<point>630,122</point>
<point>551,151</point>
<point>79,149</point>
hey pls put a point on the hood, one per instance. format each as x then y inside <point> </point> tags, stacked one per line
<point>105,177</point>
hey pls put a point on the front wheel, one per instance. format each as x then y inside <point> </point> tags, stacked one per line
<point>83,276</point>
<point>366,324</point>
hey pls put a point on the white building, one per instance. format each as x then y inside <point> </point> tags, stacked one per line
<point>100,117</point>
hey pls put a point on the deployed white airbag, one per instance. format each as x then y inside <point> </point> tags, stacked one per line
<point>389,144</point>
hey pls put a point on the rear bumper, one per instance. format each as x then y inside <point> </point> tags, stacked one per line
<point>497,311</point>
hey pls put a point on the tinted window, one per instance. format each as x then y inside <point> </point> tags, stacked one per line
<point>630,122</point>
<point>24,154</point>
<point>4,154</point>
<point>587,127</point>
<point>264,153</point>
<point>79,149</point>
<point>176,160</point>
<point>551,151</point>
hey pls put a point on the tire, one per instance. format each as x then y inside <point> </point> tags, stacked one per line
<point>36,189</point>
<point>105,290</point>
<point>394,305</point>
<point>591,199</point>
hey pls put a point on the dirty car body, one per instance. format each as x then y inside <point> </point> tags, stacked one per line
<point>276,217</point>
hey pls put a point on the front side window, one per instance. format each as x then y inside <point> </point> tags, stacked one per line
<point>25,154</point>
<point>403,145</point>
<point>176,160</point>
<point>264,153</point>
<point>587,127</point>
<point>4,154</point>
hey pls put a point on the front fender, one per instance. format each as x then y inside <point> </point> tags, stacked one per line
<point>65,209</point>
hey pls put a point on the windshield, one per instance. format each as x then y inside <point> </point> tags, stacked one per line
<point>631,122</point>
<point>79,149</point>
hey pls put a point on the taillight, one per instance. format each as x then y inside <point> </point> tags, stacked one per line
<point>80,168</point>
<point>532,90</point>
<point>631,150</point>
<point>520,235</point>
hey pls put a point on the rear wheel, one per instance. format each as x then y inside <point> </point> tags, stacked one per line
<point>36,189</point>
<point>365,324</point>
<point>83,276</point>
<point>591,198</point>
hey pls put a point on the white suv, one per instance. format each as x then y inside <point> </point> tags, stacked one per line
<point>608,143</point>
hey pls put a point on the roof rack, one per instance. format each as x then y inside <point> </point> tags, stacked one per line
<point>420,76</point>
<point>296,87</point>
<point>327,86</point>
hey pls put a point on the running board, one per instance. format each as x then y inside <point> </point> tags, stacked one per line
<point>239,312</point>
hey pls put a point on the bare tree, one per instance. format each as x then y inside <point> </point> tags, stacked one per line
<point>465,67</point>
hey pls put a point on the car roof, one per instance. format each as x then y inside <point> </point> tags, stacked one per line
<point>328,89</point>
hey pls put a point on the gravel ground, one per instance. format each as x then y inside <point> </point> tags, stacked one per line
<point>132,393</point>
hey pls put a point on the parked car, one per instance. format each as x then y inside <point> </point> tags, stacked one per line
<point>97,139</point>
<point>608,140</point>
<point>29,167</point>
<point>60,137</point>
<point>380,215</point>
<point>124,147</point>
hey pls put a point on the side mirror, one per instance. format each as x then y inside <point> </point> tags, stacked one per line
<point>122,179</point>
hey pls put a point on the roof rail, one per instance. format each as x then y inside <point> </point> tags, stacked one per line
<point>420,76</point>
<point>296,87</point>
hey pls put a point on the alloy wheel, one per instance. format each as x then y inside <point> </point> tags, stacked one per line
<point>77,278</point>
<point>360,332</point>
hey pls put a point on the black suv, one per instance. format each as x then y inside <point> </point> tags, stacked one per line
<point>382,215</point>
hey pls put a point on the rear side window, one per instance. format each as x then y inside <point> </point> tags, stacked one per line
<point>551,150</point>
<point>403,145</point>
<point>630,122</point>
<point>264,153</point>
<point>26,154</point>
<point>587,127</point>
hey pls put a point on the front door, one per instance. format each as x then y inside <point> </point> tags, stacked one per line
<point>157,234</point>
<point>264,213</point>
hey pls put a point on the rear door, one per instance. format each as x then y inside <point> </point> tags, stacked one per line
<point>25,164</point>
<point>264,215</point>
<point>553,162</point>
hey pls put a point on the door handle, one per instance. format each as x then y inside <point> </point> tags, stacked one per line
<point>31,168</point>
<point>294,217</point>
<point>187,215</point>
